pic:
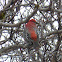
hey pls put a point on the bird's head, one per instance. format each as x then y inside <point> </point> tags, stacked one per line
<point>32,20</point>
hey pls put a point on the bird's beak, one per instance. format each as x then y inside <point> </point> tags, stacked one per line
<point>38,23</point>
<point>35,22</point>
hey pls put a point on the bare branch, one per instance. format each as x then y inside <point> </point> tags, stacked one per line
<point>18,24</point>
<point>12,47</point>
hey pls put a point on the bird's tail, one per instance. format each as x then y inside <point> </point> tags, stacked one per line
<point>36,45</point>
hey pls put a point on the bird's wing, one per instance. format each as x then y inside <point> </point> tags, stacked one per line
<point>27,36</point>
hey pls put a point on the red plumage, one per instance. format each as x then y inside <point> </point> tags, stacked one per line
<point>31,26</point>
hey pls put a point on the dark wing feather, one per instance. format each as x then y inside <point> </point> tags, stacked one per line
<point>27,36</point>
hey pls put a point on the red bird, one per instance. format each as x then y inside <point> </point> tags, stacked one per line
<point>31,33</point>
